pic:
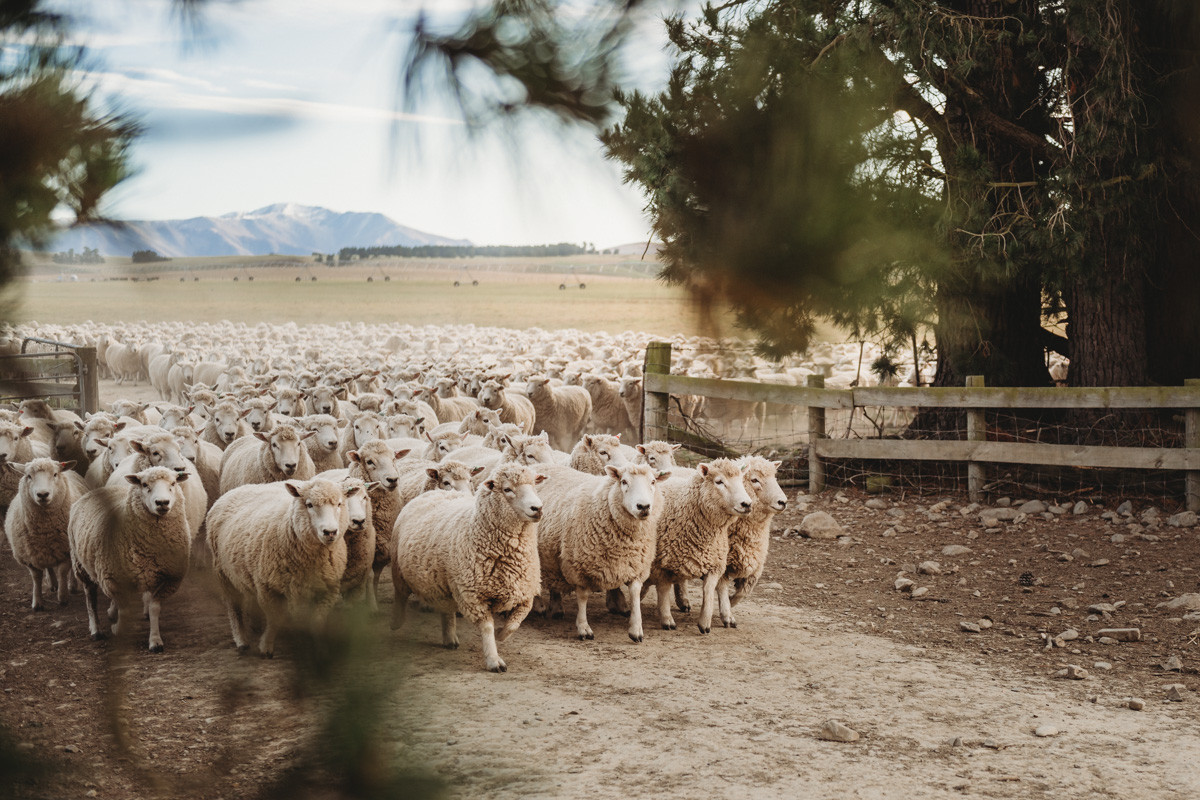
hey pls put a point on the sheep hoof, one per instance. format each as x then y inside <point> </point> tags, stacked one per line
<point>500,667</point>
<point>242,649</point>
<point>704,629</point>
<point>637,637</point>
<point>266,655</point>
<point>586,637</point>
<point>156,648</point>
<point>668,626</point>
<point>99,636</point>
<point>684,608</point>
<point>450,645</point>
<point>38,607</point>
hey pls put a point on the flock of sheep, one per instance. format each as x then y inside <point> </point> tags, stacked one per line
<point>484,468</point>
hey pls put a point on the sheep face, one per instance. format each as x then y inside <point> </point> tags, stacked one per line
<point>445,444</point>
<point>659,455</point>
<point>453,476</point>
<point>127,408</point>
<point>162,450</point>
<point>629,387</point>
<point>358,504</point>
<point>65,435</point>
<point>607,446</point>
<point>536,386</point>
<point>762,484</point>
<point>368,427</point>
<point>34,409</point>
<point>10,435</point>
<point>155,488</point>
<point>324,400</point>
<point>225,418</point>
<point>326,432</point>
<point>530,450</point>
<point>289,402</point>
<point>174,417</point>
<point>188,441</point>
<point>447,387</point>
<point>40,481</point>
<point>323,504</point>
<point>637,487</point>
<point>480,422</point>
<point>285,445</point>
<point>723,479</point>
<point>258,416</point>
<point>404,426</point>
<point>97,429</point>
<point>378,463</point>
<point>491,395</point>
<point>119,446</point>
<point>516,487</point>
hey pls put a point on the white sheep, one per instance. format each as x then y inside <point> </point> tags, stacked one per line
<point>598,533</point>
<point>562,411</point>
<point>36,521</point>
<point>278,549</point>
<point>472,555</point>
<point>205,455</point>
<point>609,414</point>
<point>324,445</point>
<point>131,542</point>
<point>593,452</point>
<point>450,475</point>
<point>512,407</point>
<point>693,533</point>
<point>225,423</point>
<point>159,448</point>
<point>658,454</point>
<point>360,537</point>
<point>365,427</point>
<point>266,457</point>
<point>750,536</point>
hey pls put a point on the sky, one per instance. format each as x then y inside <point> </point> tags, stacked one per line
<point>295,101</point>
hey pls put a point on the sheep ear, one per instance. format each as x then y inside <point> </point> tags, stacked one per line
<point>587,440</point>
<point>403,453</point>
<point>373,485</point>
<point>262,437</point>
<point>120,426</point>
<point>433,473</point>
<point>703,469</point>
<point>245,413</point>
<point>777,464</point>
<point>354,456</point>
<point>675,447</point>
<point>427,436</point>
<point>662,476</point>
<point>476,470</point>
<point>641,449</point>
<point>612,471</point>
<point>138,447</point>
<point>79,425</point>
<point>181,475</point>
<point>419,420</point>
<point>102,442</point>
<point>134,479</point>
<point>343,422</point>
<point>293,488</point>
<point>538,478</point>
<point>272,406</point>
<point>26,432</point>
<point>350,491</point>
<point>304,436</point>
<point>67,465</point>
<point>15,466</point>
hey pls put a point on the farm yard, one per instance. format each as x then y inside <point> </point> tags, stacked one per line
<point>945,670</point>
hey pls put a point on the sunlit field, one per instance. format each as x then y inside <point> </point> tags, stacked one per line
<point>509,293</point>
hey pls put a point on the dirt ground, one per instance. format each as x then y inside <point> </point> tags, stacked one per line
<point>941,712</point>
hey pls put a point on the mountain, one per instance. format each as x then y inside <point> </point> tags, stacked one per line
<point>283,228</point>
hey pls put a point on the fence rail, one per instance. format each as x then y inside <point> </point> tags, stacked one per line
<point>975,450</point>
<point>54,371</point>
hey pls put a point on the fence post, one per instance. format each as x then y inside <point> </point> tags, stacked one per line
<point>89,381</point>
<point>816,430</point>
<point>655,404</point>
<point>976,432</point>
<point>1191,438</point>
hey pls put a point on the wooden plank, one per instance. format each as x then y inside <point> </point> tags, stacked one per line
<point>1191,438</point>
<point>20,389</point>
<point>1031,397</point>
<point>750,390</point>
<point>655,402</point>
<point>1011,453</point>
<point>816,431</point>
<point>976,432</point>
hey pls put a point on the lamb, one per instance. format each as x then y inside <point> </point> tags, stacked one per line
<point>324,445</point>
<point>157,448</point>
<point>131,542</point>
<point>598,534</point>
<point>693,533</point>
<point>225,423</point>
<point>205,455</point>
<point>278,549</point>
<point>562,411</point>
<point>750,536</point>
<point>36,521</point>
<point>513,407</point>
<point>658,454</point>
<point>360,537</point>
<point>472,555</point>
<point>267,457</point>
<point>450,475</point>
<point>594,452</point>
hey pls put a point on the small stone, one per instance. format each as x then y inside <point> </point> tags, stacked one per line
<point>955,550</point>
<point>990,523</point>
<point>1189,602</point>
<point>1057,511</point>
<point>1101,608</point>
<point>1136,703</point>
<point>877,503</point>
<point>1175,692</point>
<point>91,793</point>
<point>1102,665</point>
<point>1099,562</point>
<point>1055,611</point>
<point>834,731</point>
<point>1184,519</point>
<point>1079,508</point>
<point>1065,557</point>
<point>888,533</point>
<point>984,624</point>
<point>70,749</point>
<point>929,568</point>
<point>1106,640</point>
<point>969,627</point>
<point>820,525</point>
<point>1072,672</point>
<point>903,585</point>
<point>920,592</point>
<point>1125,509</point>
<point>1172,664</point>
<point>1117,538</point>
<point>1032,507</point>
<point>1070,634</point>
<point>957,741</point>
<point>1045,730</point>
<point>1004,502</point>
<point>1120,634</point>
<point>773,586</point>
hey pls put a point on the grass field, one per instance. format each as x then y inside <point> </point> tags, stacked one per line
<point>507,296</point>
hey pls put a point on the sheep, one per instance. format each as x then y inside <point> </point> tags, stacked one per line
<point>598,533</point>
<point>134,411</point>
<point>365,427</point>
<point>324,400</point>
<point>36,521</point>
<point>258,414</point>
<point>693,533</point>
<point>360,537</point>
<point>97,427</point>
<point>267,457</point>
<point>594,452</point>
<point>630,390</point>
<point>157,448</point>
<point>447,409</point>
<point>562,411</point>
<point>512,407</point>
<point>476,555</point>
<point>225,423</point>
<point>117,447</point>
<point>175,416</point>
<point>124,362</point>
<point>205,455</point>
<point>323,447</point>
<point>406,426</point>
<point>278,549</point>
<point>181,374</point>
<point>290,402</point>
<point>609,414</point>
<point>658,454</point>
<point>67,445</point>
<point>129,542</point>
<point>450,475</point>
<point>750,536</point>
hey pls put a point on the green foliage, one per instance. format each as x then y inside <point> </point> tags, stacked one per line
<point>146,257</point>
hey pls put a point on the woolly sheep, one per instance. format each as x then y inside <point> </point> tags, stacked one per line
<point>451,475</point>
<point>512,407</point>
<point>562,411</point>
<point>36,521</point>
<point>290,402</point>
<point>364,428</point>
<point>693,533</point>
<point>259,416</point>
<point>278,549</point>
<point>447,409</point>
<point>630,390</point>
<point>360,537</point>
<point>324,445</point>
<point>117,448</point>
<point>750,536</point>
<point>598,533</point>
<point>266,457</point>
<point>658,454</point>
<point>474,555</point>
<point>324,400</point>
<point>205,455</point>
<point>157,448</point>
<point>609,414</point>
<point>225,423</point>
<point>131,542</point>
<point>593,452</point>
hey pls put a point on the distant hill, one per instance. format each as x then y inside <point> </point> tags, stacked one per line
<point>283,228</point>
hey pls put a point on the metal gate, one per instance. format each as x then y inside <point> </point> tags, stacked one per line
<point>64,375</point>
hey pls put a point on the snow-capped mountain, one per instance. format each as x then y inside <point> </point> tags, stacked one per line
<point>283,228</point>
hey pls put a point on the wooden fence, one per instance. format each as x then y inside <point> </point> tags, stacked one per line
<point>975,398</point>
<point>65,375</point>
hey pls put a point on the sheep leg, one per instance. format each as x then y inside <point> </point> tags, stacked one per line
<point>275,610</point>
<point>450,630</point>
<point>742,588</point>
<point>615,601</point>
<point>582,629</point>
<point>90,597</point>
<point>710,596</point>
<point>681,599</point>
<point>153,606</point>
<point>491,657</point>
<point>112,610</point>
<point>373,588</point>
<point>402,590</point>
<point>73,585</point>
<point>513,621</point>
<point>723,603</point>
<point>36,574</point>
<point>664,606</point>
<point>635,612</point>
<point>555,606</point>
<point>64,581</point>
